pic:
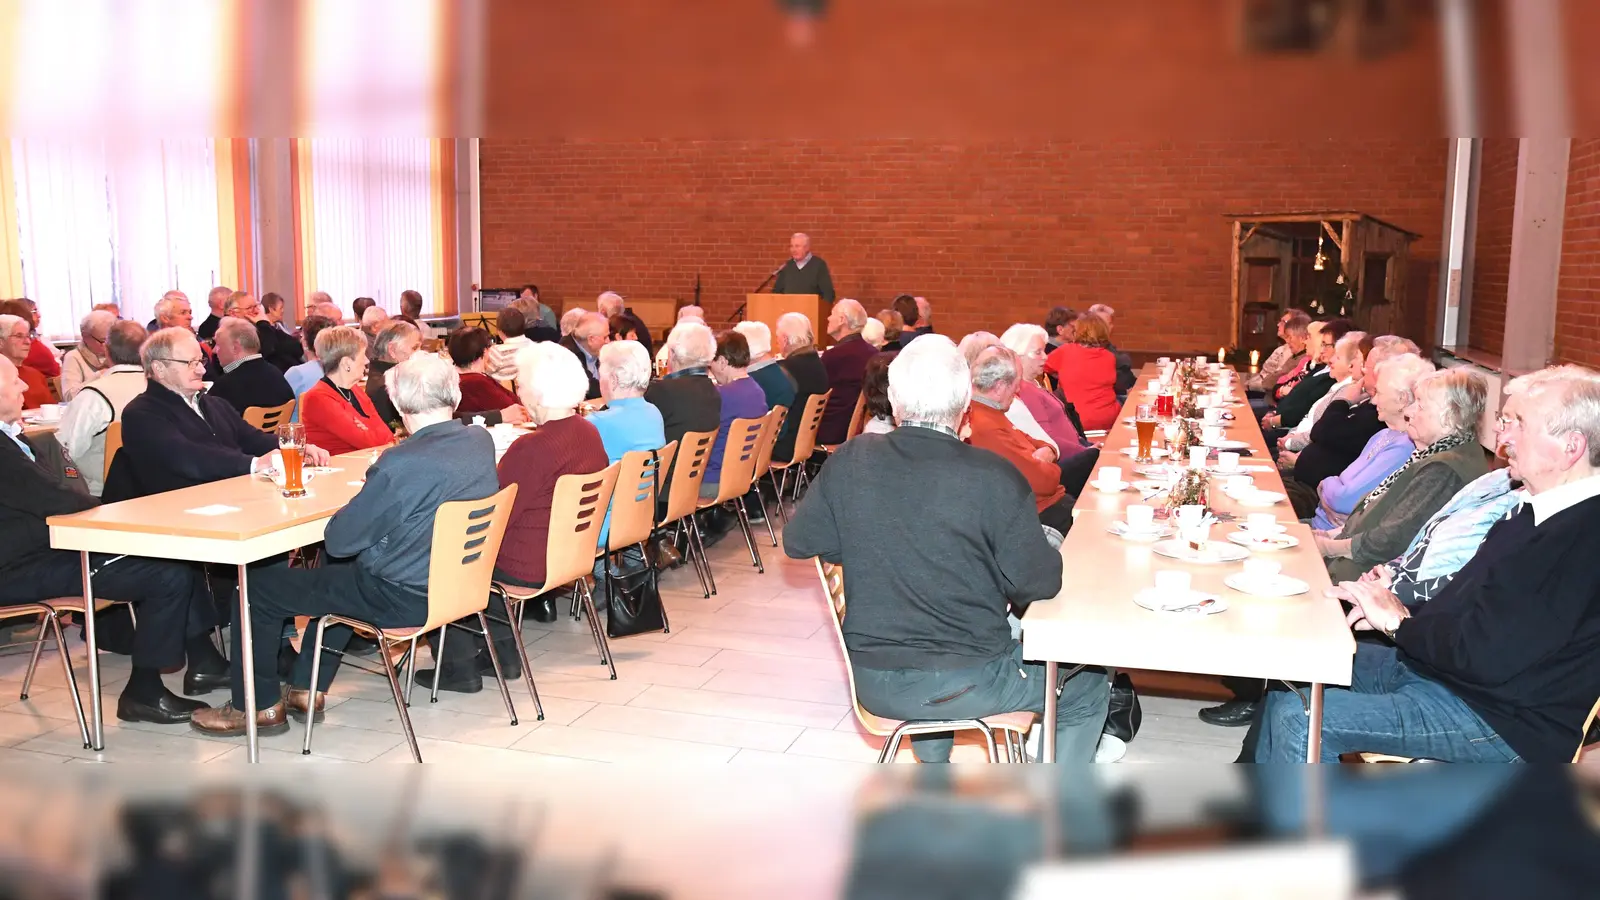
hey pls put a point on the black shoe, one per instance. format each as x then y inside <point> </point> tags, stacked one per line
<point>459,684</point>
<point>1233,714</point>
<point>360,646</point>
<point>197,683</point>
<point>510,663</point>
<point>541,609</point>
<point>170,709</point>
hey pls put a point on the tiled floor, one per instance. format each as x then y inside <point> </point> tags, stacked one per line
<point>751,676</point>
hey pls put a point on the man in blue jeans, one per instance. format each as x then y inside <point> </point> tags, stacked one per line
<point>1503,663</point>
<point>939,540</point>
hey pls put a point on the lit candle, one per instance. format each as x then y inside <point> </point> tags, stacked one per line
<point>1255,357</point>
<point>1222,352</point>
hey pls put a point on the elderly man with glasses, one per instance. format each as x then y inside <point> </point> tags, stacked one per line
<point>279,348</point>
<point>85,362</point>
<point>174,435</point>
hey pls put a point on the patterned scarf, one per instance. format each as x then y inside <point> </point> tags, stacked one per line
<point>1449,442</point>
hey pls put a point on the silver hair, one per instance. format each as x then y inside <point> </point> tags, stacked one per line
<point>974,344</point>
<point>158,347</point>
<point>995,367</point>
<point>625,365</point>
<point>924,311</point>
<point>373,317</point>
<point>1019,336</point>
<point>337,343</point>
<point>9,323</point>
<point>1464,395</point>
<point>94,319</point>
<point>855,315</point>
<point>1298,327</point>
<point>758,336</point>
<point>123,341</point>
<point>549,376</point>
<point>393,332</point>
<point>1574,406</point>
<point>329,310</point>
<point>424,383</point>
<point>1389,347</point>
<point>690,344</point>
<point>591,324</point>
<point>1409,368</point>
<point>929,381</point>
<point>569,319</point>
<point>1350,344</point>
<point>166,307</point>
<point>610,303</point>
<point>872,332</point>
<point>794,330</point>
<point>1102,310</point>
<point>241,332</point>
<point>320,297</point>
<point>692,312</point>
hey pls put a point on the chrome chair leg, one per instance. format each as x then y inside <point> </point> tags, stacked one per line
<point>766,514</point>
<point>749,536</point>
<point>316,675</point>
<point>494,660</point>
<point>700,546</point>
<point>514,619</point>
<point>72,680</point>
<point>410,660</point>
<point>433,696</point>
<point>599,633</point>
<point>400,704</point>
<point>988,737</point>
<point>38,647</point>
<point>892,745</point>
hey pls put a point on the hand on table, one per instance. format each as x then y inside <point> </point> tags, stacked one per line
<point>514,415</point>
<point>317,456</point>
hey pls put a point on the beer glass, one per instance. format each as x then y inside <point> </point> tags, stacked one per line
<point>1144,424</point>
<point>292,449</point>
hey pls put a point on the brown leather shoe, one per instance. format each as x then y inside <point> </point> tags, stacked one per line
<point>296,700</point>
<point>225,721</point>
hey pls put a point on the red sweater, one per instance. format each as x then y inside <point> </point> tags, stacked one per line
<point>38,390</point>
<point>336,426</point>
<point>1088,379</point>
<point>991,430</point>
<point>534,462</point>
<point>43,358</point>
<point>480,393</point>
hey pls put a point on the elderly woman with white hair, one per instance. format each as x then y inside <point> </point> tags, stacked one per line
<point>629,422</point>
<point>1336,496</point>
<point>775,380</point>
<point>85,362</point>
<point>846,363</point>
<point>687,397</point>
<point>1443,423</point>
<point>1076,456</point>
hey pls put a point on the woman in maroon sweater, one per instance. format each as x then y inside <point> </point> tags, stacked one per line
<point>469,350</point>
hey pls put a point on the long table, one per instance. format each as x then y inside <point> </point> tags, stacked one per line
<point>1094,621</point>
<point>236,521</point>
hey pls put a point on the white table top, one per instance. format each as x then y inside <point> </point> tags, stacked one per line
<point>1095,621</point>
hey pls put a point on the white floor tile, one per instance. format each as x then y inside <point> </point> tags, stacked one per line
<point>609,746</point>
<point>786,687</point>
<point>755,643</point>
<point>780,666</point>
<point>740,706</point>
<point>129,745</point>
<point>642,670</point>
<point>681,726</point>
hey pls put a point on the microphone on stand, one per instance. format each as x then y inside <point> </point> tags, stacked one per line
<point>739,313</point>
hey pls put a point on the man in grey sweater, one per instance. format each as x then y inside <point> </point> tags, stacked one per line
<point>928,595</point>
<point>381,543</point>
<point>804,273</point>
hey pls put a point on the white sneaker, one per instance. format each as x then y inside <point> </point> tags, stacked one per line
<point>1111,749</point>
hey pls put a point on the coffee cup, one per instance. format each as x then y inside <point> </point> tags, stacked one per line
<point>1261,569</point>
<point>1155,386</point>
<point>1162,361</point>
<point>49,412</point>
<point>1227,460</point>
<point>1140,517</point>
<point>1213,413</point>
<point>1200,360</point>
<point>1190,515</point>
<point>1211,434</point>
<point>1170,582</point>
<point>1197,457</point>
<point>1262,522</point>
<point>1239,484</point>
<point>1198,534</point>
<point>1110,476</point>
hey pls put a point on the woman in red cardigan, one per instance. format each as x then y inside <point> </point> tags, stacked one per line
<point>338,415</point>
<point>469,350</point>
<point>1086,370</point>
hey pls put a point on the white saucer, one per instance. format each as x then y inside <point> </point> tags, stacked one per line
<point>1155,601</point>
<point>1227,444</point>
<point>1276,586</point>
<point>1243,469</point>
<point>1120,529</point>
<point>1155,452</point>
<point>1157,472</point>
<point>1216,552</point>
<point>1258,498</point>
<point>1265,542</point>
<point>1116,488</point>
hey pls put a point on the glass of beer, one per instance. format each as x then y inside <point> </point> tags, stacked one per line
<point>292,450</point>
<point>1144,424</point>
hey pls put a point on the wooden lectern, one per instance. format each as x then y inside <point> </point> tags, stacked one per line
<point>768,307</point>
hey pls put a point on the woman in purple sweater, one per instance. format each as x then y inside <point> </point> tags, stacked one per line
<point>1385,452</point>
<point>742,398</point>
<point>1077,456</point>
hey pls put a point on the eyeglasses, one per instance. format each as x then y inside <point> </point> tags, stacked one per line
<point>1503,421</point>
<point>200,362</point>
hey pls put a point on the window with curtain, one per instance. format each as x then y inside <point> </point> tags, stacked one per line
<point>370,220</point>
<point>114,222</point>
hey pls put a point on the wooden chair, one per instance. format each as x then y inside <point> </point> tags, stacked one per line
<point>113,444</point>
<point>1594,713</point>
<point>268,418</point>
<point>738,474</point>
<point>769,441</point>
<point>858,420</point>
<point>576,512</point>
<point>633,507</point>
<point>466,541</point>
<point>683,498</point>
<point>54,384</point>
<point>805,443</point>
<point>1014,726</point>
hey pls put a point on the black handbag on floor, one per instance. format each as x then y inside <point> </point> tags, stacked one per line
<point>1124,715</point>
<point>633,595</point>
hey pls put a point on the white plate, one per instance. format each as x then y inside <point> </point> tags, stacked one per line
<point>1227,444</point>
<point>1274,528</point>
<point>1157,472</point>
<point>1216,552</point>
<point>1258,498</point>
<point>1120,529</point>
<point>1155,452</point>
<point>1243,469</point>
<point>1265,542</point>
<point>1157,602</point>
<point>1144,486</point>
<point>1276,586</point>
<point>1117,488</point>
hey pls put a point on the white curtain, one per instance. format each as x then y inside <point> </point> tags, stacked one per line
<point>372,220</point>
<point>114,222</point>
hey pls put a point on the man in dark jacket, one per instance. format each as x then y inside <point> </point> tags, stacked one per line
<point>804,273</point>
<point>279,348</point>
<point>928,596</point>
<point>381,543</point>
<point>175,436</point>
<point>687,397</point>
<point>611,304</point>
<point>846,362</point>
<point>173,607</point>
<point>804,365</point>
<point>247,378</point>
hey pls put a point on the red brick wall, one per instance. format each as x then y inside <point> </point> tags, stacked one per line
<point>1578,296</point>
<point>1491,265</point>
<point>991,233</point>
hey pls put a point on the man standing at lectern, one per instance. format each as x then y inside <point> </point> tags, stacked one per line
<point>804,273</point>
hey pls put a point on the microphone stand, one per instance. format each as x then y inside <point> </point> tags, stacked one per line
<point>738,313</point>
